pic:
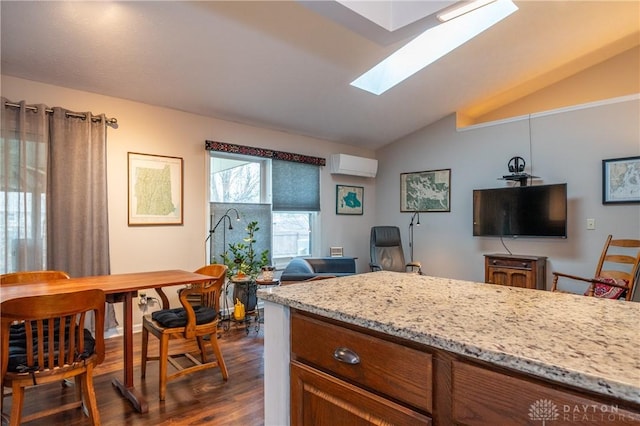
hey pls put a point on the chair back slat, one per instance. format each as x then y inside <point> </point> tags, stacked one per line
<point>618,275</point>
<point>28,336</point>
<point>51,344</point>
<point>620,258</point>
<point>626,243</point>
<point>76,334</point>
<point>68,358</point>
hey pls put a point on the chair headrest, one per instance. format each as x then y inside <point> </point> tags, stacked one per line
<point>385,236</point>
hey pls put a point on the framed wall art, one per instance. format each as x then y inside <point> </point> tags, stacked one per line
<point>621,180</point>
<point>428,191</point>
<point>155,190</point>
<point>349,199</point>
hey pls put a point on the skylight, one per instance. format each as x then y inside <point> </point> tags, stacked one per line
<point>431,45</point>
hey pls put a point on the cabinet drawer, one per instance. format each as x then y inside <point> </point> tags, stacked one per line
<point>320,399</point>
<point>510,263</point>
<point>485,397</point>
<point>388,368</point>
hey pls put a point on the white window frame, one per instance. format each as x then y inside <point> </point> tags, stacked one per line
<point>266,197</point>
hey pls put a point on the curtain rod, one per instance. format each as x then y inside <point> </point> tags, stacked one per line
<point>68,114</point>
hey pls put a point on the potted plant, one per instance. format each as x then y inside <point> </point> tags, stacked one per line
<point>241,258</point>
<point>244,265</point>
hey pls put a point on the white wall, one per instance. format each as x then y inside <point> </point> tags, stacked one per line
<point>566,146</point>
<point>154,130</point>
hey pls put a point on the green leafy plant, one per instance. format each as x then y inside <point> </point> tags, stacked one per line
<point>242,258</point>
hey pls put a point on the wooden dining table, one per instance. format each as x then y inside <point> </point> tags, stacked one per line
<point>117,288</point>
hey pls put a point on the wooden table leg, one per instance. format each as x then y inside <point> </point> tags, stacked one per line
<point>127,389</point>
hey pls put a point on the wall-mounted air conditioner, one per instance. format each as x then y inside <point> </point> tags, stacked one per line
<point>343,164</point>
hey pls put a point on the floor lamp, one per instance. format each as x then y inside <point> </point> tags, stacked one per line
<point>415,215</point>
<point>212,230</point>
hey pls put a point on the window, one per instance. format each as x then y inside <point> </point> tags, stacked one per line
<point>296,203</point>
<point>291,235</point>
<point>22,203</point>
<point>20,233</point>
<point>240,179</point>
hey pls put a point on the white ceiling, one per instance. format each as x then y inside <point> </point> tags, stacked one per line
<point>288,65</point>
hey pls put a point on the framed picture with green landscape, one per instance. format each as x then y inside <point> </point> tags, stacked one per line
<point>349,199</point>
<point>428,191</point>
<point>155,190</point>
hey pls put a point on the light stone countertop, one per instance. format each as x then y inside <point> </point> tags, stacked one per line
<point>590,343</point>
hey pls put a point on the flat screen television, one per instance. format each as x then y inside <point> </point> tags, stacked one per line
<point>521,211</point>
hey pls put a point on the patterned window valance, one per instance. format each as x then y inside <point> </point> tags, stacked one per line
<point>265,153</point>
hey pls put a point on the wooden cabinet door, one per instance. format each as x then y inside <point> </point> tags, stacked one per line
<point>511,277</point>
<point>318,399</point>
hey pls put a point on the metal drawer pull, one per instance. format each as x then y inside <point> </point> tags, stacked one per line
<point>346,355</point>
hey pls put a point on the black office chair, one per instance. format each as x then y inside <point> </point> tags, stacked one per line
<point>387,253</point>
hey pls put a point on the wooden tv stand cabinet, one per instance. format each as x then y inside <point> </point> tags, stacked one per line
<point>516,270</point>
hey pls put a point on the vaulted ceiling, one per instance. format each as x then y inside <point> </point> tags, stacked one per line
<point>288,65</point>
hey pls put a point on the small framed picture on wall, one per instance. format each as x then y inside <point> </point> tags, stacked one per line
<point>621,180</point>
<point>155,190</point>
<point>349,199</point>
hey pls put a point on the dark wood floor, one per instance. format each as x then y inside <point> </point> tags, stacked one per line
<point>197,399</point>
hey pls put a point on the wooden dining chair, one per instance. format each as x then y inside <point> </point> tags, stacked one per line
<point>196,319</point>
<point>44,339</point>
<point>617,272</point>
<point>30,277</point>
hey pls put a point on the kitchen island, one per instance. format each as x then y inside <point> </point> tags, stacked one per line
<point>478,341</point>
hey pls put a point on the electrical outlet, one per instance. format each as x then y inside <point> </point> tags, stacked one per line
<point>591,224</point>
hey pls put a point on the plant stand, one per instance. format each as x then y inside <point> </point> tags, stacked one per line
<point>245,291</point>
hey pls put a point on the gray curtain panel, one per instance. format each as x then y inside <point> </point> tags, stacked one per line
<point>77,214</point>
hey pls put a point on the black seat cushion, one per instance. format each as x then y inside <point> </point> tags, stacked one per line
<point>177,317</point>
<point>18,346</point>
